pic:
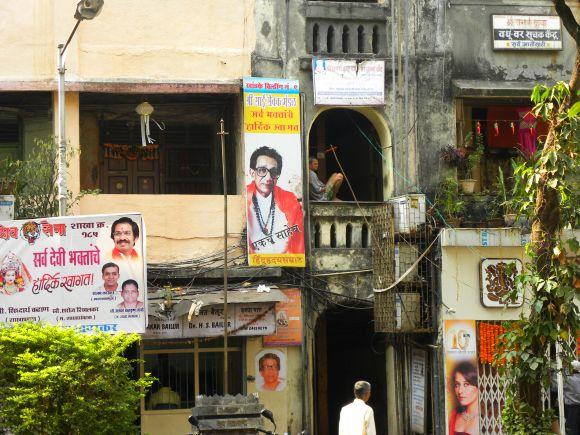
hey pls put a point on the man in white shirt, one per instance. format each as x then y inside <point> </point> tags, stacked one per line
<point>357,418</point>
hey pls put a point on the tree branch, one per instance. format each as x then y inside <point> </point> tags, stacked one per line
<point>567,17</point>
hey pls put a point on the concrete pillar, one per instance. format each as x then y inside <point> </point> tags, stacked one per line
<point>392,414</point>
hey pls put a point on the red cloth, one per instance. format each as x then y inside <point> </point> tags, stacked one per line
<point>116,255</point>
<point>527,131</point>
<point>289,205</point>
<point>452,420</point>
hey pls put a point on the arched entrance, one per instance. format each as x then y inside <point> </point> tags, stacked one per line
<point>346,352</point>
<point>359,149</point>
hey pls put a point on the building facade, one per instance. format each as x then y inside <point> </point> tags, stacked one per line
<point>442,79</point>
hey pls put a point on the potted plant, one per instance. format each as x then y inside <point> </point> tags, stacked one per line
<point>450,202</point>
<point>508,201</point>
<point>465,158</point>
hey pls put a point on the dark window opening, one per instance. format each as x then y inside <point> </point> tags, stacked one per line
<point>348,235</point>
<point>317,235</point>
<point>375,40</point>
<point>345,39</point>
<point>361,39</point>
<point>315,36</point>
<point>333,236</point>
<point>330,40</point>
<point>365,236</point>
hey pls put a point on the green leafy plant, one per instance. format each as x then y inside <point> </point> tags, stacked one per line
<point>9,174</point>
<point>448,198</point>
<point>36,183</point>
<point>55,380</point>
<point>549,194</point>
<point>465,157</point>
<point>508,200</point>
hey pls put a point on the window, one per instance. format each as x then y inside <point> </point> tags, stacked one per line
<point>10,138</point>
<point>187,368</point>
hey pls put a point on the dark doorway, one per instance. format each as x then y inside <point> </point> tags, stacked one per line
<point>346,352</point>
<point>358,150</point>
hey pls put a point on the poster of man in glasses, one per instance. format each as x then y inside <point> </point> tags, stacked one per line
<point>275,220</point>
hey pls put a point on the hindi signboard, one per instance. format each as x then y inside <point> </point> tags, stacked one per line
<point>79,271</point>
<point>526,32</point>
<point>243,320</point>
<point>272,135</point>
<point>418,375</point>
<point>288,321</point>
<point>348,82</point>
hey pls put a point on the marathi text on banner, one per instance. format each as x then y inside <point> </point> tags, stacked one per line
<point>82,271</point>
<point>273,167</point>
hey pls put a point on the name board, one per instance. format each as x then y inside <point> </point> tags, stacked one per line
<point>244,320</point>
<point>348,82</point>
<point>526,32</point>
<point>80,271</point>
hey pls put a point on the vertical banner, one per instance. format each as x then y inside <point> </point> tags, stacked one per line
<point>82,271</point>
<point>462,391</point>
<point>273,167</point>
<point>288,321</point>
<point>418,375</point>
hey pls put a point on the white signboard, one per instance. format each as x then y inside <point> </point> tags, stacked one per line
<point>82,271</point>
<point>526,32</point>
<point>348,82</point>
<point>418,374</point>
<point>6,207</point>
<point>243,320</point>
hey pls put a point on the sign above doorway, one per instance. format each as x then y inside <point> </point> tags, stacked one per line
<point>348,82</point>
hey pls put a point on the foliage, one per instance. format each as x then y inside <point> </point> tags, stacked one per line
<point>57,381</point>
<point>448,198</point>
<point>508,197</point>
<point>36,183</point>
<point>466,157</point>
<point>9,170</point>
<point>552,317</point>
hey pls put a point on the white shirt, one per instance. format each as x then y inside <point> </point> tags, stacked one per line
<point>280,222</point>
<point>357,418</point>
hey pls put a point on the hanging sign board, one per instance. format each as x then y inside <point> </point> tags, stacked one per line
<point>288,321</point>
<point>526,32</point>
<point>273,167</point>
<point>243,320</point>
<point>461,376</point>
<point>81,271</point>
<point>418,375</point>
<point>348,82</point>
<point>497,280</point>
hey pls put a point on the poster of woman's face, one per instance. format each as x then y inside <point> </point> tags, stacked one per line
<point>270,370</point>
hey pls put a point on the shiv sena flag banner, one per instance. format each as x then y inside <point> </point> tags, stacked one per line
<point>273,167</point>
<point>461,377</point>
<point>79,271</point>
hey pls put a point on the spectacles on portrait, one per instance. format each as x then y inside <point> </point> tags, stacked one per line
<point>262,171</point>
<point>123,233</point>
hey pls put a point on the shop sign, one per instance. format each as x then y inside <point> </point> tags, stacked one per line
<point>243,320</point>
<point>526,32</point>
<point>461,377</point>
<point>498,279</point>
<point>273,167</point>
<point>418,371</point>
<point>348,82</point>
<point>288,321</point>
<point>82,271</point>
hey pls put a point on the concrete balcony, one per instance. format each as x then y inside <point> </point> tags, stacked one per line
<point>340,236</point>
<point>178,227</point>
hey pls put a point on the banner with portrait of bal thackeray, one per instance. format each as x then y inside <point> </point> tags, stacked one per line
<point>273,167</point>
<point>79,271</point>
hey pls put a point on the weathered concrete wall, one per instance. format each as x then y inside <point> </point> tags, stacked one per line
<point>130,40</point>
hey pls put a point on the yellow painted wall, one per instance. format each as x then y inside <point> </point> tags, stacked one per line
<point>178,227</point>
<point>460,286</point>
<point>166,422</point>
<point>286,405</point>
<point>130,40</point>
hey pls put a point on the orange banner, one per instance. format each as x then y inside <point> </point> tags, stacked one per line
<point>288,321</point>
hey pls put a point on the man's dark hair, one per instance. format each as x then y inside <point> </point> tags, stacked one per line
<point>106,265</point>
<point>126,220</point>
<point>268,356</point>
<point>361,388</point>
<point>268,152</point>
<point>129,282</point>
<point>311,159</point>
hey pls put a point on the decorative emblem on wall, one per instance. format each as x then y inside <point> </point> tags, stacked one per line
<point>131,152</point>
<point>497,279</point>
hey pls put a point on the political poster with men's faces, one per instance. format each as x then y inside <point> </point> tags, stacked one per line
<point>273,167</point>
<point>87,272</point>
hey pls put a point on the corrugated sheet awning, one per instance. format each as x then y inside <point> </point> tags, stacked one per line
<point>240,296</point>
